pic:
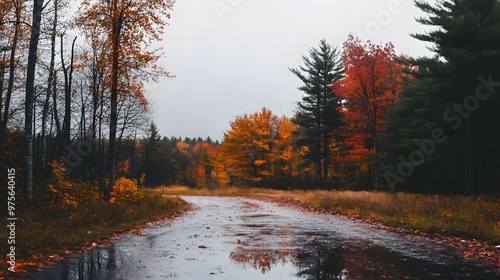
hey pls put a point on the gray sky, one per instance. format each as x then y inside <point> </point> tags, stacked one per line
<point>232,56</point>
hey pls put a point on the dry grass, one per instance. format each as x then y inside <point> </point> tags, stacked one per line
<point>473,217</point>
<point>45,229</point>
<point>464,216</point>
<point>230,191</point>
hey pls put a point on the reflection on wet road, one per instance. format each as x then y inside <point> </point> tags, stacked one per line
<point>236,238</point>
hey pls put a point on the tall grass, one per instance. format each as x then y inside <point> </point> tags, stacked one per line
<point>473,217</point>
<point>229,191</point>
<point>463,216</point>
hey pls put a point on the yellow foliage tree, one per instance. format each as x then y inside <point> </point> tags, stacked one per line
<point>257,148</point>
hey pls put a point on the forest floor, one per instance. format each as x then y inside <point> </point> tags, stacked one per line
<point>471,223</point>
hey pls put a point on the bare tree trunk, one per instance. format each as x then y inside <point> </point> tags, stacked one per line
<point>112,139</point>
<point>12,69</point>
<point>102,181</point>
<point>50,81</point>
<point>54,105</point>
<point>30,93</point>
<point>83,134</point>
<point>96,82</point>
<point>116,32</point>
<point>68,81</point>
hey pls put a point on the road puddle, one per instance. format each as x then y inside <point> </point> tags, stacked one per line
<point>235,238</point>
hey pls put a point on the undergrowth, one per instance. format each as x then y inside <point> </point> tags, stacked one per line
<point>71,216</point>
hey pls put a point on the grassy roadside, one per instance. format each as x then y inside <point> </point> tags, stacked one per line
<point>472,217</point>
<point>45,232</point>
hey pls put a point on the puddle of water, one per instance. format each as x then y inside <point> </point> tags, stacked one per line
<point>232,238</point>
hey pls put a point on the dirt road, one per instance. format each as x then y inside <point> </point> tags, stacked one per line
<point>237,238</point>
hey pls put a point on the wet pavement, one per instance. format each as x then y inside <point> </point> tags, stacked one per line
<point>237,238</point>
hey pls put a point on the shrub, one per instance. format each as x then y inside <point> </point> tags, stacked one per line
<point>126,189</point>
<point>65,194</point>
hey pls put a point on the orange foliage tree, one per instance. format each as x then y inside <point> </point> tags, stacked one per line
<point>369,89</point>
<point>258,149</point>
<point>209,172</point>
<point>127,29</point>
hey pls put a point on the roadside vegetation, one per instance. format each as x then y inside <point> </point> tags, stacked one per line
<point>475,217</point>
<point>73,217</point>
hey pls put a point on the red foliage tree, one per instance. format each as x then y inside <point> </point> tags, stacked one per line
<point>369,89</point>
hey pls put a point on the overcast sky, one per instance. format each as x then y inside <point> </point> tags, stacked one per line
<point>231,57</point>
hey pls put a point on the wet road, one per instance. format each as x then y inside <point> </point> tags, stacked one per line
<point>236,238</point>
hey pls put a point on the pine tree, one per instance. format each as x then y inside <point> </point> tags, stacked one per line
<point>453,93</point>
<point>417,117</point>
<point>151,155</point>
<point>318,114</point>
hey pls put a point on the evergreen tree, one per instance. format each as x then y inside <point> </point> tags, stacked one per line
<point>318,114</point>
<point>417,117</point>
<point>157,158</point>
<point>151,146</point>
<point>452,96</point>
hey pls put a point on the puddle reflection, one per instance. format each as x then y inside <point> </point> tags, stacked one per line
<point>321,257</point>
<point>320,262</point>
<point>96,264</point>
<point>260,259</point>
<point>316,261</point>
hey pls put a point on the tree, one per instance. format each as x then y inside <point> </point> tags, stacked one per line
<point>50,82</point>
<point>128,29</point>
<point>369,89</point>
<point>68,84</point>
<point>94,72</point>
<point>284,154</point>
<point>30,93</point>
<point>410,126</point>
<point>14,14</point>
<point>255,146</point>
<point>153,156</point>
<point>205,162</point>
<point>318,114</point>
<point>459,80</point>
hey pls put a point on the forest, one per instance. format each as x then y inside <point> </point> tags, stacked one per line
<point>73,108</point>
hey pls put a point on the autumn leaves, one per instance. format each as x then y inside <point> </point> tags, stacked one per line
<point>258,149</point>
<point>124,30</point>
<point>369,90</point>
<point>332,139</point>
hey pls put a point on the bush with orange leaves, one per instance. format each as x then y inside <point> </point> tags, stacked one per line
<point>126,189</point>
<point>65,194</point>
